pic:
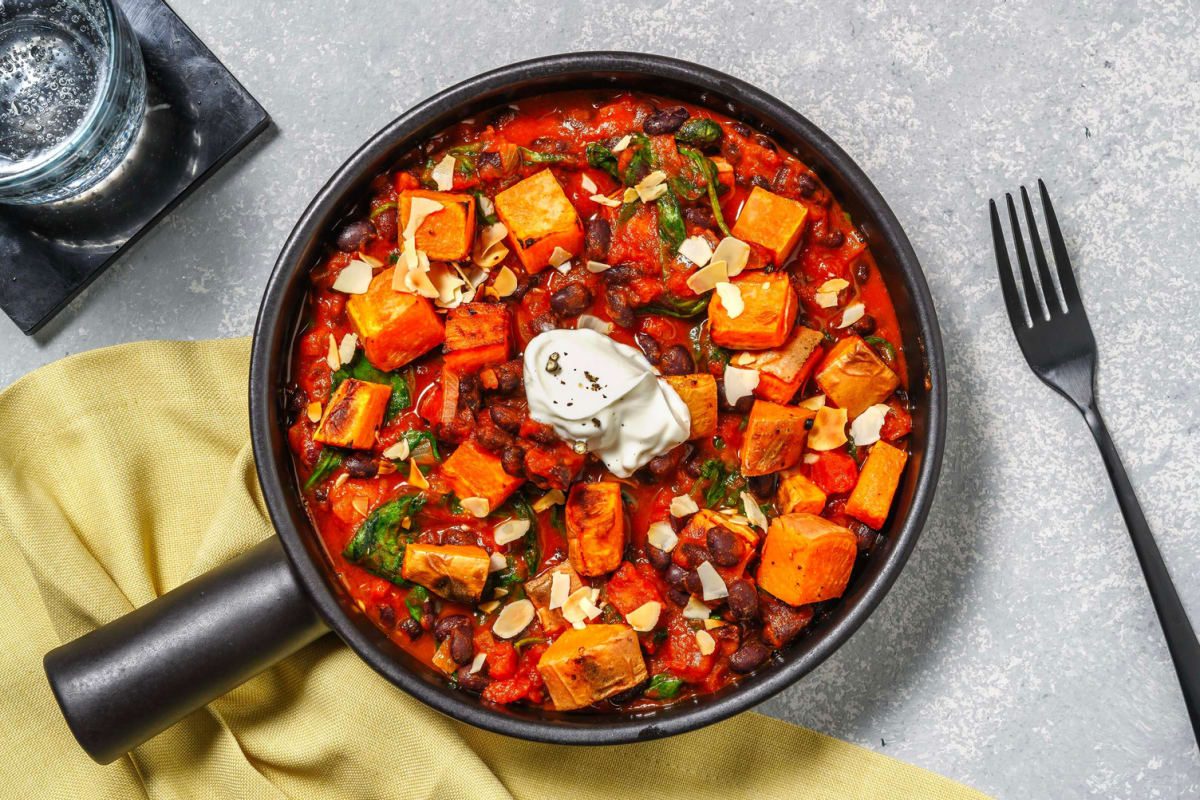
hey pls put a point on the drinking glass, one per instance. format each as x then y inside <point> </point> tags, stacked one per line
<point>72,96</point>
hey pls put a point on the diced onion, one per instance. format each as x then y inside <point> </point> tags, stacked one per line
<point>662,536</point>
<point>509,530</point>
<point>714,585</point>
<point>644,617</point>
<point>513,618</point>
<point>682,505</point>
<point>355,278</point>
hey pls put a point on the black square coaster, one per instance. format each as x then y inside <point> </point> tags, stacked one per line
<point>198,117</point>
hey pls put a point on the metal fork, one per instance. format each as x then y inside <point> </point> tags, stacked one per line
<point>1057,341</point>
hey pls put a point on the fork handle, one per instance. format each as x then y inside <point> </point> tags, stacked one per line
<point>1181,639</point>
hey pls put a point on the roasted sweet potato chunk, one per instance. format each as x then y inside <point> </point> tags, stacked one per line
<point>798,494</point>
<point>394,327</point>
<point>773,222</point>
<point>539,218</point>
<point>806,559</point>
<point>474,472</point>
<point>783,370</point>
<point>353,414</point>
<point>595,527</point>
<point>477,334</point>
<point>699,394</point>
<point>774,437</point>
<point>854,378</point>
<point>538,591</point>
<point>455,572</point>
<point>768,316</point>
<point>446,235</point>
<point>591,663</point>
<point>871,499</point>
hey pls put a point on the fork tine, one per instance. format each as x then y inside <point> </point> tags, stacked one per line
<point>1008,284</point>
<point>1066,276</point>
<point>1049,293</point>
<point>1032,299</point>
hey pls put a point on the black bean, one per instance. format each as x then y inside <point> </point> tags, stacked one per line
<point>513,461</point>
<point>295,401</point>
<point>561,476</point>
<point>546,322</point>
<point>760,182</point>
<point>659,559</point>
<point>665,463</point>
<point>864,536</point>
<point>724,545</point>
<point>361,465</point>
<point>443,627</point>
<point>411,627</point>
<point>618,308</point>
<point>619,274</point>
<point>462,648</point>
<point>598,236</point>
<point>862,272</point>
<point>572,299</point>
<point>678,597</point>
<point>471,681</point>
<point>741,129</point>
<point>493,438</point>
<point>865,325</point>
<point>701,216</point>
<point>693,466</point>
<point>764,142</point>
<point>676,360</point>
<point>649,345</point>
<point>693,555</point>
<point>666,121</point>
<point>632,693</point>
<point>508,376</point>
<point>385,225</point>
<point>743,405</point>
<point>506,417</point>
<point>748,657</point>
<point>524,284</point>
<point>489,158</point>
<point>902,397</point>
<point>387,615</point>
<point>833,239</point>
<point>354,235</point>
<point>806,184</point>
<point>543,434</point>
<point>693,583</point>
<point>675,575</point>
<point>468,393</point>
<point>743,600</point>
<point>457,537</point>
<point>763,485</point>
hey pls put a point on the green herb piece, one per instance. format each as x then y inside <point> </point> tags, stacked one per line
<point>507,576</point>
<point>724,482</point>
<point>609,615</point>
<point>452,503</point>
<point>393,257</point>
<point>884,344</point>
<point>698,131</point>
<point>533,553</point>
<point>362,370</point>
<point>851,447</point>
<point>385,207</point>
<point>660,635</point>
<point>327,462</point>
<point>709,169</point>
<point>745,421</point>
<point>628,499</point>
<point>378,544</point>
<point>664,686</point>
<point>534,157</point>
<point>556,518</point>
<point>601,157</point>
<point>415,438</point>
<point>669,305</point>
<point>641,162</point>
<point>417,596</point>
<point>718,443</point>
<point>489,219</point>
<point>670,221</point>
<point>528,640</point>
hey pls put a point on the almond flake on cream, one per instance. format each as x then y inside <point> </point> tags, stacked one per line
<point>643,618</point>
<point>734,252</point>
<point>513,618</point>
<point>739,383</point>
<point>866,426</point>
<point>355,278</point>
<point>828,430</point>
<point>594,323</point>
<point>510,530</point>
<point>851,315</point>
<point>443,174</point>
<point>682,505</point>
<point>731,299</point>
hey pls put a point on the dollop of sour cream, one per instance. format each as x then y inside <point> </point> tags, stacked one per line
<point>594,390</point>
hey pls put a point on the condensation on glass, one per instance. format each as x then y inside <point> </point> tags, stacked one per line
<point>72,96</point>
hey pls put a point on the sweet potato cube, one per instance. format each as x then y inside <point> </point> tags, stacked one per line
<point>696,532</point>
<point>766,320</point>
<point>394,327</point>
<point>477,334</point>
<point>699,394</point>
<point>806,559</point>
<point>445,235</point>
<point>539,218</point>
<point>353,414</point>
<point>774,437</point>
<point>588,664</point>
<point>454,571</point>
<point>798,494</point>
<point>595,527</point>
<point>538,591</point>
<point>771,221</point>
<point>474,472</point>
<point>854,378</point>
<point>871,499</point>
<point>783,370</point>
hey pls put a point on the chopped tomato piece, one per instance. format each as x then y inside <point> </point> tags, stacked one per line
<point>834,472</point>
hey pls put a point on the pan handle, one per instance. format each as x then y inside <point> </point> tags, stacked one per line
<point>131,679</point>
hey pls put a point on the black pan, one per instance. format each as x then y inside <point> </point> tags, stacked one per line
<point>125,682</point>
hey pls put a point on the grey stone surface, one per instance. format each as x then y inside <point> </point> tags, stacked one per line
<point>1019,651</point>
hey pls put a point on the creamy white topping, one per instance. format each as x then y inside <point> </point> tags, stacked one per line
<point>594,390</point>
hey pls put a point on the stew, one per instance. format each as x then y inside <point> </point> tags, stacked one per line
<point>599,401</point>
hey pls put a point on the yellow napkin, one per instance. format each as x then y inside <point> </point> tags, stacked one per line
<point>126,471</point>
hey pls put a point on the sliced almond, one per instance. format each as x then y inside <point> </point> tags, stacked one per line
<point>489,249</point>
<point>811,458</point>
<point>696,250</point>
<point>662,536</point>
<point>740,383</point>
<point>489,606</point>
<point>682,505</point>
<point>559,256</point>
<point>577,608</point>
<point>497,562</point>
<point>713,583</point>
<point>477,507</point>
<point>593,323</point>
<point>866,426</point>
<point>705,642</point>
<point>753,512</point>
<point>731,299</point>
<point>622,144</point>
<point>419,208</point>
<point>587,184</point>
<point>359,504</point>
<point>370,259</point>
<point>514,618</point>
<point>695,609</point>
<point>834,285</point>
<point>825,299</point>
<point>486,205</point>
<point>630,195</point>
<point>604,200</point>
<point>347,347</point>
<point>355,278</point>
<point>510,530</point>
<point>596,266</point>
<point>852,314</point>
<point>416,477</point>
<point>560,590</point>
<point>652,193</point>
<point>505,282</point>
<point>341,479</point>
<point>713,624</point>
<point>314,411</point>
<point>334,358</point>
<point>734,252</point>
<point>644,617</point>
<point>443,174</point>
<point>477,662</point>
<point>399,451</point>
<point>828,430</point>
<point>707,277</point>
<point>448,284</point>
<point>554,497</point>
<point>814,403</point>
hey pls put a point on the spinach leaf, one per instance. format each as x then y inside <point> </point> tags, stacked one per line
<point>417,596</point>
<point>533,553</point>
<point>327,462</point>
<point>709,169</point>
<point>556,519</point>
<point>883,344</point>
<point>378,544</point>
<point>851,447</point>
<point>669,305</point>
<point>362,370</point>
<point>664,686</point>
<point>534,157</point>
<point>528,640</point>
<point>488,219</point>
<point>601,157</point>
<point>386,206</point>
<point>698,131</point>
<point>724,483</point>
<point>415,438</point>
<point>641,162</point>
<point>670,221</point>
